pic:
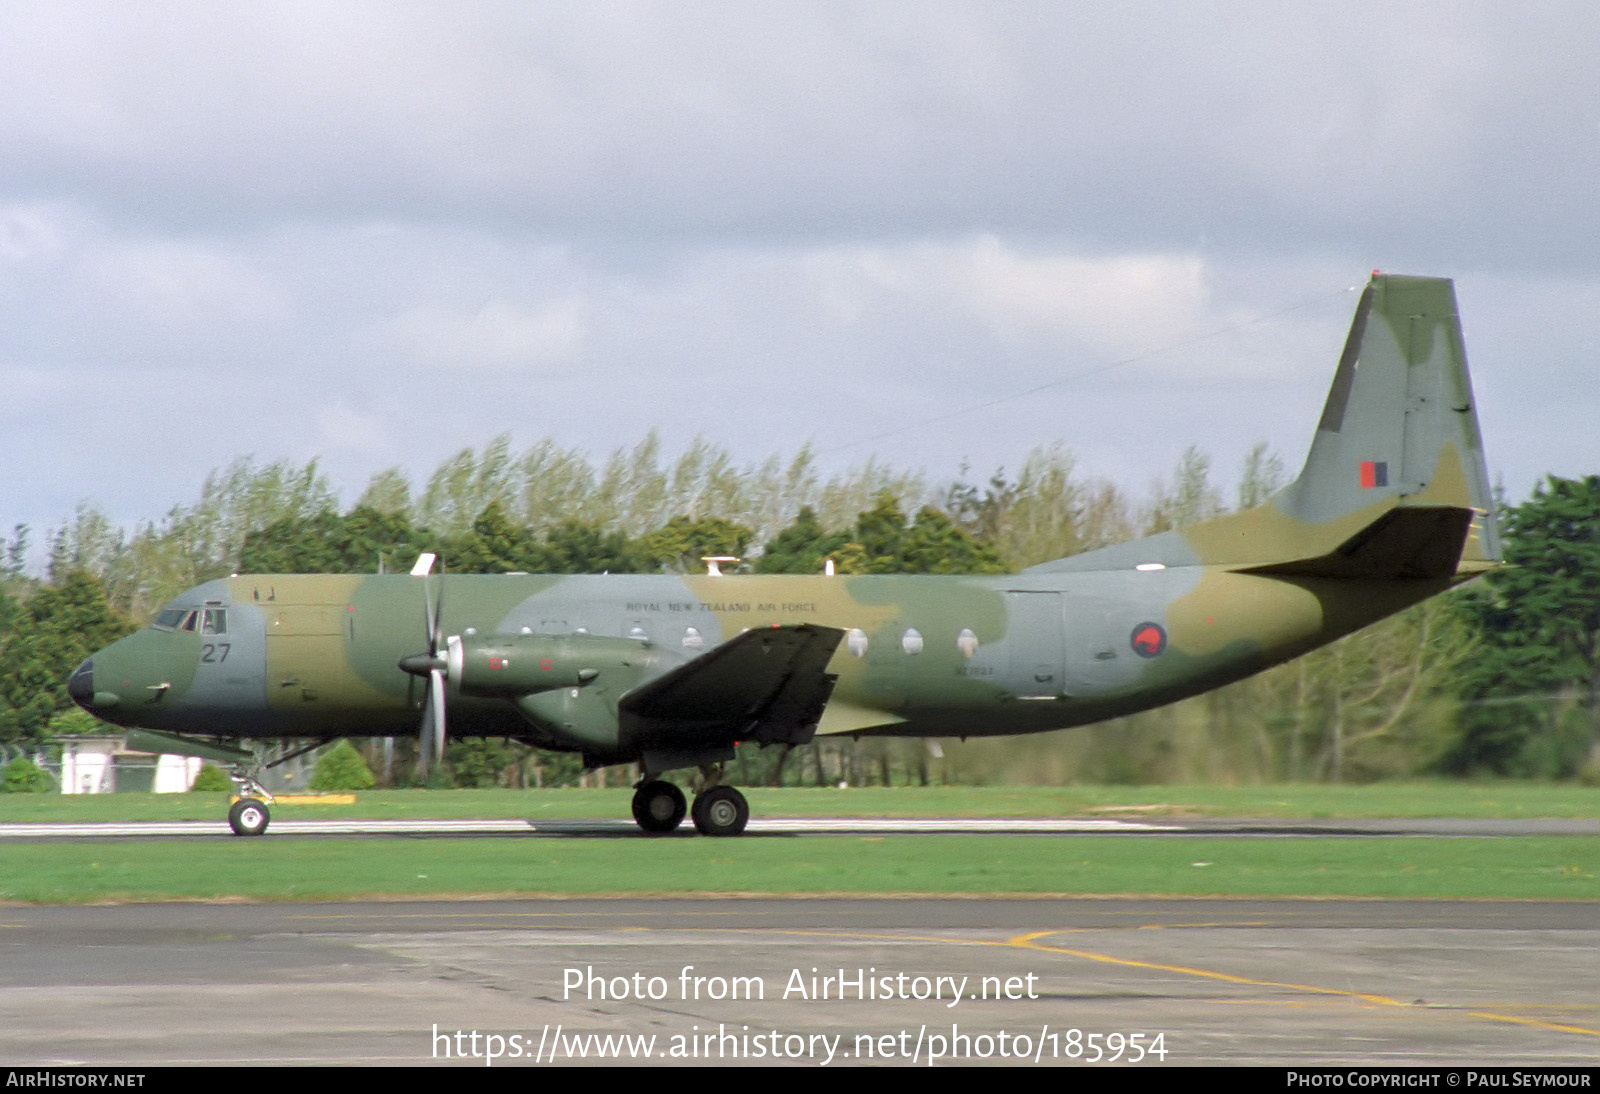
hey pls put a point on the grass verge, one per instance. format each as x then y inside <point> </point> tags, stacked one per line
<point>267,869</point>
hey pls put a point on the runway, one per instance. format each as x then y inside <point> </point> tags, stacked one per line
<point>801,826</point>
<point>830,981</point>
<point>602,827</point>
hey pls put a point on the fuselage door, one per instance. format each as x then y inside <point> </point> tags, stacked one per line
<point>306,658</point>
<point>1034,637</point>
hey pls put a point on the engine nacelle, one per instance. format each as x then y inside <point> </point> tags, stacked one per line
<point>509,665</point>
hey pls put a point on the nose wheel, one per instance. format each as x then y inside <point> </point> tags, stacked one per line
<point>249,817</point>
<point>721,811</point>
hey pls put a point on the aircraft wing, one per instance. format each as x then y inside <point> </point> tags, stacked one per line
<point>766,685</point>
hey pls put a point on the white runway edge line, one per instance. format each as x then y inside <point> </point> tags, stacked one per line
<point>775,826</point>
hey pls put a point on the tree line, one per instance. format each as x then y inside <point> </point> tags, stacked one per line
<point>1500,678</point>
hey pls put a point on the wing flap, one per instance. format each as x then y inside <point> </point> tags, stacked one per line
<point>767,685</point>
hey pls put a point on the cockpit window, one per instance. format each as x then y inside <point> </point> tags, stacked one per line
<point>208,621</point>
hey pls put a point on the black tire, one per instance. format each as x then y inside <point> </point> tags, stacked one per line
<point>721,811</point>
<point>659,806</point>
<point>249,817</point>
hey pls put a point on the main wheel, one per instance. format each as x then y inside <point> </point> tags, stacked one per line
<point>248,817</point>
<point>658,806</point>
<point>721,811</point>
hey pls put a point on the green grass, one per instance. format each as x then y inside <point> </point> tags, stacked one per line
<point>1308,801</point>
<point>268,869</point>
<point>297,869</point>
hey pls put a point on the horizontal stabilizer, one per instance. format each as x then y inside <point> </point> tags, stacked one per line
<point>772,682</point>
<point>1419,542</point>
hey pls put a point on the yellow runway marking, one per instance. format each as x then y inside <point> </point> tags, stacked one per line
<point>1030,941</point>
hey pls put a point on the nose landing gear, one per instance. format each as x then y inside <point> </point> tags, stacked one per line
<point>249,815</point>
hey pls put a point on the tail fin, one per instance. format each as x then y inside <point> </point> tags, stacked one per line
<point>1395,484</point>
<point>1399,422</point>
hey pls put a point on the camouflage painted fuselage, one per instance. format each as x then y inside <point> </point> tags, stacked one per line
<point>1392,507</point>
<point>316,656</point>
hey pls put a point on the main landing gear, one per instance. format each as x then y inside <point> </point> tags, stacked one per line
<point>720,811</point>
<point>658,807</point>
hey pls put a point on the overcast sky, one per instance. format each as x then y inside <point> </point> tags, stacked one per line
<point>377,233</point>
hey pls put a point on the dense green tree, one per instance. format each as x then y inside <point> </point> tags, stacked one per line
<point>574,547</point>
<point>934,545</point>
<point>361,541</point>
<point>481,761</point>
<point>801,548</point>
<point>52,633</point>
<point>8,608</point>
<point>1533,685</point>
<point>681,543</point>
<point>882,542</point>
<point>929,544</point>
<point>494,546</point>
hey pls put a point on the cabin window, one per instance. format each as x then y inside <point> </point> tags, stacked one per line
<point>692,639</point>
<point>967,643</point>
<point>911,641</point>
<point>856,641</point>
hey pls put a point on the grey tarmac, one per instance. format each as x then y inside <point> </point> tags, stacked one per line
<point>1222,981</point>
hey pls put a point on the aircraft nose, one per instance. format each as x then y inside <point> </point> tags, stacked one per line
<point>80,687</point>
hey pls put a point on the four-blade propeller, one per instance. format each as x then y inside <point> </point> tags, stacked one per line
<point>430,746</point>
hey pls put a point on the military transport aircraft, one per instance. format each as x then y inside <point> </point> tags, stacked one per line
<point>670,671</point>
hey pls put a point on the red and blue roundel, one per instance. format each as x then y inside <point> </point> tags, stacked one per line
<point>1148,639</point>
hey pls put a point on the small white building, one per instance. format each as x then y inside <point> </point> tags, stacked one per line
<point>102,765</point>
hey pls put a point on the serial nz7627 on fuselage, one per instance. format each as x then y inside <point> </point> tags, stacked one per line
<point>669,671</point>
